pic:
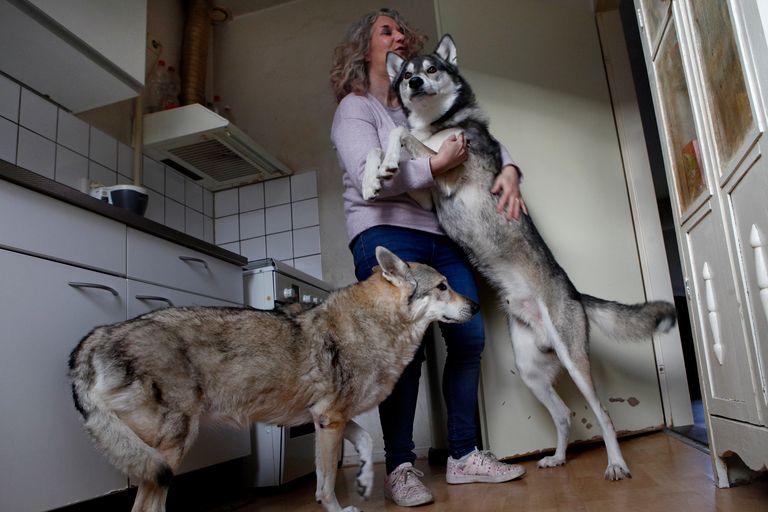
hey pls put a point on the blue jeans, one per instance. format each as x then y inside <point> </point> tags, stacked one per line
<point>464,344</point>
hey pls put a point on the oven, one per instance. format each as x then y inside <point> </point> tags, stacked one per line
<point>280,454</point>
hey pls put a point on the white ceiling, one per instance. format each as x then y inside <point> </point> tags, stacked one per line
<point>240,7</point>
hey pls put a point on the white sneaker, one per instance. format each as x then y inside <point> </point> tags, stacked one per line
<point>481,466</point>
<point>404,487</point>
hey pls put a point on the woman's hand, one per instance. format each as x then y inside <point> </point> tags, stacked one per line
<point>510,201</point>
<point>452,152</point>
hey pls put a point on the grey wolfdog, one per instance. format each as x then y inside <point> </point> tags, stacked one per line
<point>142,385</point>
<point>551,318</point>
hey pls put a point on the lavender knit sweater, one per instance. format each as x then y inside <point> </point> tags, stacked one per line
<point>359,124</point>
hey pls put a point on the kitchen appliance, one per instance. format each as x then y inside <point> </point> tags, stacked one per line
<point>130,197</point>
<point>207,148</point>
<point>280,454</point>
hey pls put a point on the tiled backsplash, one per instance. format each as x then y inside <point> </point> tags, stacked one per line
<point>277,219</point>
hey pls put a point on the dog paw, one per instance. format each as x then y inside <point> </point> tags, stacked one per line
<point>365,480</point>
<point>551,462</point>
<point>371,180</point>
<point>617,472</point>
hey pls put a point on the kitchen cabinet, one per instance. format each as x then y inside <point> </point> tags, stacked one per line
<point>47,458</point>
<point>83,54</point>
<point>708,67</point>
<point>64,271</point>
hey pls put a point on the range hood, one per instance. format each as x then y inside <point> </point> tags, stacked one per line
<point>207,148</point>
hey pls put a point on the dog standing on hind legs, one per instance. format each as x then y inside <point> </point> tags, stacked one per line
<point>550,318</point>
<point>142,385</point>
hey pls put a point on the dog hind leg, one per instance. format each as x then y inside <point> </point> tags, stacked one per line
<point>538,371</point>
<point>575,359</point>
<point>363,443</point>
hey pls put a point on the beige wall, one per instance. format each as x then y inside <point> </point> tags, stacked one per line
<point>272,68</point>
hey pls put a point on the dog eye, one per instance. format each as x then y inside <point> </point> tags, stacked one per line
<point>407,75</point>
<point>431,69</point>
<point>442,287</point>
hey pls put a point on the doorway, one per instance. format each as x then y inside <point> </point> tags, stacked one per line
<point>697,431</point>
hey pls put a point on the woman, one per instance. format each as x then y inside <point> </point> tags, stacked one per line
<point>368,110</point>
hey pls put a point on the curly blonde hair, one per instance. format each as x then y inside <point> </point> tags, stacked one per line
<point>350,70</point>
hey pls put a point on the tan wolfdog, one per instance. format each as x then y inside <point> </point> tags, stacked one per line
<point>143,385</point>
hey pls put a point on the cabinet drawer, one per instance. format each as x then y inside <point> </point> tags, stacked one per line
<point>47,227</point>
<point>165,263</point>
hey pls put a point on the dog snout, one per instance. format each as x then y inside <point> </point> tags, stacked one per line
<point>473,306</point>
<point>415,82</point>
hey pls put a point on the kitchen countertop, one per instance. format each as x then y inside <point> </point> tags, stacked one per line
<point>43,185</point>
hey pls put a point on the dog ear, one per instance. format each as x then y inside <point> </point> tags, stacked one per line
<point>446,49</point>
<point>394,63</point>
<point>393,269</point>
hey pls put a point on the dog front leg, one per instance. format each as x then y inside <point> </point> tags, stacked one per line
<point>328,436</point>
<point>380,166</point>
<point>363,443</point>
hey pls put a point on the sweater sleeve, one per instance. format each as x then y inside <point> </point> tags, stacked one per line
<point>355,132</point>
<point>506,159</point>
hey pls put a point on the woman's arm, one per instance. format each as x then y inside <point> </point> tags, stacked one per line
<point>507,185</point>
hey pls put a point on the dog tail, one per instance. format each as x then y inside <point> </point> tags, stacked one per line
<point>629,321</point>
<point>113,437</point>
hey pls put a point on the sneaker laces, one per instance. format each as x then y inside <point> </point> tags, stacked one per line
<point>406,472</point>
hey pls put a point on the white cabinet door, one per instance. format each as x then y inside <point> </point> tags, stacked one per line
<point>216,442</point>
<point>48,460</point>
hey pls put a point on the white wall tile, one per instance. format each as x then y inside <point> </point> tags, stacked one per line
<point>304,186</point>
<point>252,224</point>
<point>277,192</point>
<point>71,168</point>
<point>306,241</point>
<point>225,202</point>
<point>125,160</point>
<point>174,185</point>
<point>305,213</point>
<point>36,153</point>
<point>9,137</point>
<point>174,214</point>
<point>103,149</point>
<point>207,203</point>
<point>10,92</point>
<point>251,197</point>
<point>279,246</point>
<point>278,218</point>
<point>153,175</point>
<point>226,229</point>
<point>38,114</point>
<point>155,207</point>
<point>232,247</point>
<point>254,248</point>
<point>194,223</point>
<point>193,195</point>
<point>312,265</point>
<point>100,174</point>
<point>124,180</point>
<point>208,229</point>
<point>73,133</point>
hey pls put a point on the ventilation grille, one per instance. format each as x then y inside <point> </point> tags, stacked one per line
<point>217,161</point>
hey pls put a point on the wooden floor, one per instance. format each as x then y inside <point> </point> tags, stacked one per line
<point>668,475</point>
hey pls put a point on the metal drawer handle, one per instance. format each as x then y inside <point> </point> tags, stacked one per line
<point>94,285</point>
<point>196,260</point>
<point>156,298</point>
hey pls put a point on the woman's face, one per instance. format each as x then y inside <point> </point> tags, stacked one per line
<point>386,36</point>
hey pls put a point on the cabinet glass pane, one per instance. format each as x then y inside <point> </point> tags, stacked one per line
<point>727,93</point>
<point>678,119</point>
<point>654,14</point>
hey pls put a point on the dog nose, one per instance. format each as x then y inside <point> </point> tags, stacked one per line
<point>475,306</point>
<point>415,82</point>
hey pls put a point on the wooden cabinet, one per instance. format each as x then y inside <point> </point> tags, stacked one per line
<point>48,459</point>
<point>83,54</point>
<point>708,67</point>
